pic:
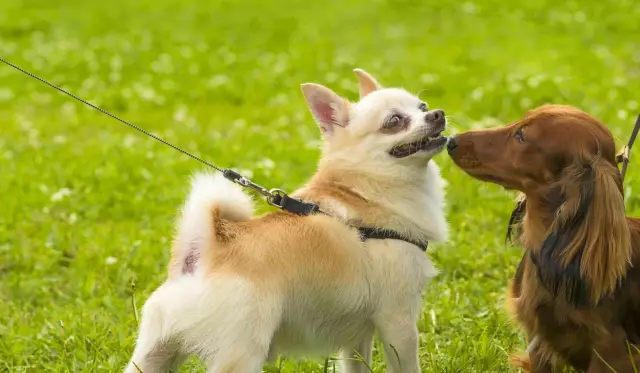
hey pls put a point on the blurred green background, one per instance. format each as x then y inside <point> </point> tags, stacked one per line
<point>87,205</point>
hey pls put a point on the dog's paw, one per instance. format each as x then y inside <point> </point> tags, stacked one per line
<point>521,361</point>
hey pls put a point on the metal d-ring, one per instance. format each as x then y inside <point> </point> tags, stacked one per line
<point>273,194</point>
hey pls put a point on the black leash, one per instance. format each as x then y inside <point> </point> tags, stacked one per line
<point>624,155</point>
<point>109,114</point>
<point>382,234</point>
<point>275,197</point>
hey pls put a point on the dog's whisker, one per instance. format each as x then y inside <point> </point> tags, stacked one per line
<point>420,92</point>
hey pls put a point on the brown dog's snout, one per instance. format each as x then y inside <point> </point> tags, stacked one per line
<point>452,145</point>
<point>462,149</point>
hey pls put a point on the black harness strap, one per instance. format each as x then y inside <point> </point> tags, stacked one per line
<point>294,205</point>
<point>304,208</point>
<point>387,234</point>
<point>624,155</point>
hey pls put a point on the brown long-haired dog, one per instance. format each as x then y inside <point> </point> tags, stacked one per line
<point>576,292</point>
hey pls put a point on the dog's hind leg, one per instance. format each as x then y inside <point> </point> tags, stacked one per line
<point>223,319</point>
<point>243,344</point>
<point>162,357</point>
<point>358,359</point>
<point>400,337</point>
<point>158,348</point>
<point>272,356</point>
<point>245,353</point>
<point>241,361</point>
<point>232,324</point>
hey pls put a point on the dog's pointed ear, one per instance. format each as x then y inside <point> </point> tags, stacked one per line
<point>367,83</point>
<point>328,109</point>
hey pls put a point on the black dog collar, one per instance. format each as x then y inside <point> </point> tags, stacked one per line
<point>387,234</point>
<point>304,208</point>
<point>280,199</point>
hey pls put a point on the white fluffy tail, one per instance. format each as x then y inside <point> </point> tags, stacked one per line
<point>211,195</point>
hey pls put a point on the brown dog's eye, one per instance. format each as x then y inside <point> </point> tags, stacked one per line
<point>519,135</point>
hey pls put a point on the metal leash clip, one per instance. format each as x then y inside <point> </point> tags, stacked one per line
<point>624,155</point>
<point>275,197</point>
<point>243,181</point>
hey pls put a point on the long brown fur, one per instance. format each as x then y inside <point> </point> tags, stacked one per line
<point>576,293</point>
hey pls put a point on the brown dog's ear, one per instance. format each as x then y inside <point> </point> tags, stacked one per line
<point>366,82</point>
<point>588,249</point>
<point>607,249</point>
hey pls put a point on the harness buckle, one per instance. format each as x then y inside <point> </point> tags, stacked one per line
<point>244,182</point>
<point>623,155</point>
<point>280,199</point>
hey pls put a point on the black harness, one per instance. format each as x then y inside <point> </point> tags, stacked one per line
<point>304,208</point>
<point>624,156</point>
<point>388,234</point>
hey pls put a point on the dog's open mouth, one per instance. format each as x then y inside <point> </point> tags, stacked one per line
<point>427,143</point>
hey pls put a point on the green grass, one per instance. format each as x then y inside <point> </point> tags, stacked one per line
<point>87,204</point>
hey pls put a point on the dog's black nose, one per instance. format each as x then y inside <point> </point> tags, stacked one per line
<point>452,145</point>
<point>435,116</point>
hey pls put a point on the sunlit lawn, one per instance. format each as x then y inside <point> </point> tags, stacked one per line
<point>87,204</point>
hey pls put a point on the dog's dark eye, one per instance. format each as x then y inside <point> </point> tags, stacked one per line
<point>519,135</point>
<point>394,124</point>
<point>394,121</point>
<point>423,107</point>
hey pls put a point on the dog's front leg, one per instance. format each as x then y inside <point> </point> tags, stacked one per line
<point>358,359</point>
<point>613,354</point>
<point>539,361</point>
<point>400,338</point>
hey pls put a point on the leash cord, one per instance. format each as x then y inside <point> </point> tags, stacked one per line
<point>109,114</point>
<point>625,155</point>
<point>275,197</point>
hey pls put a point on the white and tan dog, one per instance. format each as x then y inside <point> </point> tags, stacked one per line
<point>242,289</point>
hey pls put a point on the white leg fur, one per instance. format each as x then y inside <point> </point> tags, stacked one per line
<point>222,319</point>
<point>351,363</point>
<point>396,316</point>
<point>400,340</point>
<point>237,333</point>
<point>158,347</point>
